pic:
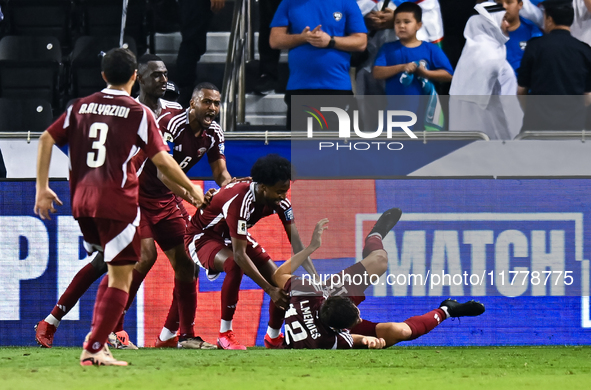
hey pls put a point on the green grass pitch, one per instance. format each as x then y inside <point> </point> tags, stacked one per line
<point>407,368</point>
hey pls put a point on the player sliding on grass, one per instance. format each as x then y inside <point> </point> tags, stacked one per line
<point>320,317</point>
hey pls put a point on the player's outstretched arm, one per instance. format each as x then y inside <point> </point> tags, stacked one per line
<point>367,342</point>
<point>169,168</point>
<point>283,273</point>
<point>44,196</point>
<point>297,245</point>
<point>177,189</point>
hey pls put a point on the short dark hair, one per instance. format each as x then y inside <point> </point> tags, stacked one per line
<point>339,312</point>
<point>562,13</point>
<point>271,169</point>
<point>204,85</point>
<point>143,61</point>
<point>413,8</point>
<point>118,65</point>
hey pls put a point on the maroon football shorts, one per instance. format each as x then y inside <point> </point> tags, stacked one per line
<point>164,220</point>
<point>118,240</point>
<point>203,248</point>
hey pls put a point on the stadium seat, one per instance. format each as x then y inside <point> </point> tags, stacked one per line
<point>85,69</point>
<point>25,114</point>
<point>30,68</point>
<point>41,18</point>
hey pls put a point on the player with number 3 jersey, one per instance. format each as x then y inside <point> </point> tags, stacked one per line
<point>104,131</point>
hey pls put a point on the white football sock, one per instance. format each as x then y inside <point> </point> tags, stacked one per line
<point>273,333</point>
<point>225,326</point>
<point>50,319</point>
<point>444,308</point>
<point>166,334</point>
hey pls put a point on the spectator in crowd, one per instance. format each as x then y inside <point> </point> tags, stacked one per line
<point>379,19</point>
<point>520,31</point>
<point>555,64</point>
<point>2,167</point>
<point>409,64</point>
<point>269,58</point>
<point>195,17</point>
<point>484,85</point>
<point>581,27</point>
<point>320,35</point>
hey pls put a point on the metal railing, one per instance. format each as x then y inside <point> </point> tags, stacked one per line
<point>240,51</point>
<point>302,135</point>
<point>553,135</point>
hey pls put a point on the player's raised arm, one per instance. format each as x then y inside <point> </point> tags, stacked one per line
<point>283,273</point>
<point>297,245</point>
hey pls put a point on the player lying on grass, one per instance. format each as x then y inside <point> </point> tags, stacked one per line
<point>320,317</point>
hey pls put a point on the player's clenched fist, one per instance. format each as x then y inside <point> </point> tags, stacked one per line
<point>373,342</point>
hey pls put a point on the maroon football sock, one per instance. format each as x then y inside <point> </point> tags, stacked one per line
<point>372,243</point>
<point>79,285</point>
<point>420,325</point>
<point>106,314</point>
<point>172,320</point>
<point>136,282</point>
<point>103,285</point>
<point>186,296</point>
<point>230,288</point>
<point>276,316</point>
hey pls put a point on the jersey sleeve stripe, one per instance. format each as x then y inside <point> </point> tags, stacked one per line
<point>245,208</point>
<point>143,129</point>
<point>67,120</point>
<point>285,204</point>
<point>347,337</point>
<point>132,152</point>
<point>175,123</point>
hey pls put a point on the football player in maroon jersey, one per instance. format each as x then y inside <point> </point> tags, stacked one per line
<point>327,317</point>
<point>218,240</point>
<point>104,131</point>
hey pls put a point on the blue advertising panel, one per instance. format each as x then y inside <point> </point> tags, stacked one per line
<point>519,246</point>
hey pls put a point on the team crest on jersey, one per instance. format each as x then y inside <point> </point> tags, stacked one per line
<point>337,16</point>
<point>288,214</point>
<point>523,45</point>
<point>201,152</point>
<point>242,227</point>
<point>222,148</point>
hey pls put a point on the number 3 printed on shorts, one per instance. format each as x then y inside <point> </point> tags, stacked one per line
<point>97,158</point>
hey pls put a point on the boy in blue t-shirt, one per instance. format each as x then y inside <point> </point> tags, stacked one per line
<point>397,60</point>
<point>520,31</point>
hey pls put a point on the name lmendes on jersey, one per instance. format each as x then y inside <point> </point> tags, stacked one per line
<point>104,109</point>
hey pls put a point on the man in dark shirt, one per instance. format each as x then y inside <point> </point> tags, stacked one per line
<point>326,317</point>
<point>555,64</point>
